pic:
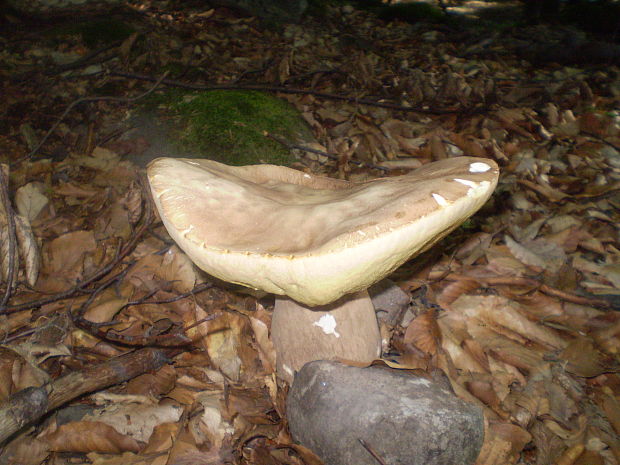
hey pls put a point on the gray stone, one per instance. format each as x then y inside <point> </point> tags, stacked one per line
<point>403,418</point>
<point>389,300</point>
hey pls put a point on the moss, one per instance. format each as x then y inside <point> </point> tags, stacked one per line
<point>229,126</point>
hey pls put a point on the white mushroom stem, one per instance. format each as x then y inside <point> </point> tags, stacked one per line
<point>346,329</point>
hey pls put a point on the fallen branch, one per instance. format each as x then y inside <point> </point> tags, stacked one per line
<point>29,405</point>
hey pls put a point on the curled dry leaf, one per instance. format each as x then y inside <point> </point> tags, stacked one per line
<point>90,436</point>
<point>5,247</point>
<point>456,289</point>
<point>28,249</point>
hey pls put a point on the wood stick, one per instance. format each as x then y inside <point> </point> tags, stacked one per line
<point>30,404</point>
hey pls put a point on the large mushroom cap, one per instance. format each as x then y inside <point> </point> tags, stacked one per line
<point>309,237</point>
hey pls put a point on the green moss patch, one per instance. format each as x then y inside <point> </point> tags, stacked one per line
<point>229,125</point>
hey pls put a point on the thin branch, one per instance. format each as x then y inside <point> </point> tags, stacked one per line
<point>372,452</point>
<point>288,90</point>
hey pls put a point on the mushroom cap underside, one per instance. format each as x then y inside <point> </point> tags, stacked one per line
<point>310,237</point>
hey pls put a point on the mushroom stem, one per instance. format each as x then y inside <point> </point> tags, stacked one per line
<point>346,330</point>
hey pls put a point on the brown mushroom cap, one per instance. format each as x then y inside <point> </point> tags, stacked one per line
<point>312,238</point>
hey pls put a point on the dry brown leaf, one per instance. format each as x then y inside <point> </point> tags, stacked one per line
<point>104,311</point>
<point>483,390</point>
<point>502,314</point>
<point>423,332</point>
<point>585,360</point>
<point>30,201</point>
<point>89,436</point>
<point>462,358</point>
<point>538,252</point>
<point>127,458</point>
<point>28,249</point>
<point>162,438</point>
<point>132,201</point>
<point>611,407</point>
<point>5,248</point>
<point>153,384</point>
<point>503,444</point>
<point>223,344</point>
<point>136,420</point>
<point>100,159</point>
<point>264,345</point>
<point>25,450</point>
<point>65,253</point>
<point>456,289</point>
<point>72,190</point>
<point>178,269</point>
<point>570,455</point>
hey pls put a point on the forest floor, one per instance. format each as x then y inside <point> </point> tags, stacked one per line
<point>517,307</point>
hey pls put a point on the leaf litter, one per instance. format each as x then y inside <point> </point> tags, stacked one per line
<point>516,307</point>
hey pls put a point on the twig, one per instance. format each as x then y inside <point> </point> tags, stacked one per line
<point>12,246</point>
<point>174,338</point>
<point>197,290</point>
<point>372,452</point>
<point>90,99</point>
<point>288,90</point>
<point>31,404</point>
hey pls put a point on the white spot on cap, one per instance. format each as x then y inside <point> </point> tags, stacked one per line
<point>466,182</point>
<point>440,200</point>
<point>361,233</point>
<point>328,324</point>
<point>307,176</point>
<point>479,167</point>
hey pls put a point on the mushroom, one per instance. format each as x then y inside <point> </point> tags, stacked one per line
<point>317,243</point>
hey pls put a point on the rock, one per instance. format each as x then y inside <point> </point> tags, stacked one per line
<point>405,419</point>
<point>389,300</point>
